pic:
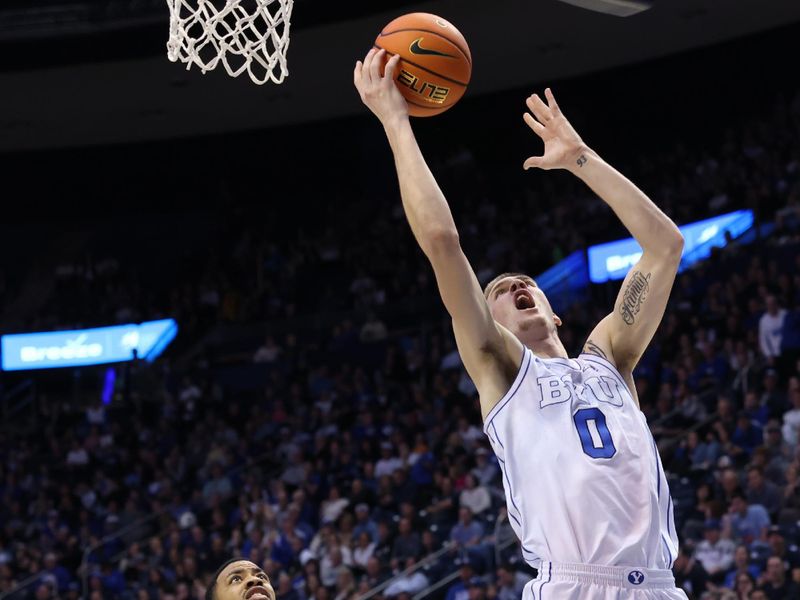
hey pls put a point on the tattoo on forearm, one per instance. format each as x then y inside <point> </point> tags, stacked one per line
<point>635,294</point>
<point>582,160</point>
<point>592,348</point>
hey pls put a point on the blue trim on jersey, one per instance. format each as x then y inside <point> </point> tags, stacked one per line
<point>491,439</point>
<point>496,439</point>
<point>669,527</point>
<point>669,554</point>
<point>497,435</point>
<point>658,469</point>
<point>516,520</point>
<point>549,577</point>
<point>526,354</point>
<point>508,509</point>
<point>612,369</point>
<point>658,492</point>
<point>669,502</point>
<point>511,494</point>
<point>510,491</point>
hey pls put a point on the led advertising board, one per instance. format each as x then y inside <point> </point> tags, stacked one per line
<point>84,347</point>
<point>612,260</point>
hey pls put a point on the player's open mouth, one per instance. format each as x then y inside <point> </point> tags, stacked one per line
<point>257,592</point>
<point>523,300</point>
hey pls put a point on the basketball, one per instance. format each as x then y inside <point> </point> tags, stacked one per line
<point>435,65</point>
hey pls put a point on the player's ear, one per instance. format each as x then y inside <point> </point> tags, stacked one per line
<point>557,320</point>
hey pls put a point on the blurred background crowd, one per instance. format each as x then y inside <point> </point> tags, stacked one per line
<point>314,416</point>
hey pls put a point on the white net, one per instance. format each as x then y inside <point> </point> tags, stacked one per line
<point>245,35</point>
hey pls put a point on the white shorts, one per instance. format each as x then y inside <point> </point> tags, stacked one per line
<point>561,581</point>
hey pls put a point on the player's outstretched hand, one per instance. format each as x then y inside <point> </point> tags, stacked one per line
<point>380,93</point>
<point>562,144</point>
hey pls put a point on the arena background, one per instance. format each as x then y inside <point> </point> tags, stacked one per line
<point>312,348</point>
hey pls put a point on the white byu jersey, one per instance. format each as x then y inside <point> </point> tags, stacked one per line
<point>582,475</point>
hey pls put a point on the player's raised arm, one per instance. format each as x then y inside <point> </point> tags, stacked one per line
<point>484,346</point>
<point>622,336</point>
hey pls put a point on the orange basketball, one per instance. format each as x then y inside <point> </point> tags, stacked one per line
<point>435,64</point>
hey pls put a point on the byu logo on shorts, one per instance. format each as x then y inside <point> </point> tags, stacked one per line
<point>636,577</point>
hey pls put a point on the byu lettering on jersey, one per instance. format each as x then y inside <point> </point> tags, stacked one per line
<point>582,475</point>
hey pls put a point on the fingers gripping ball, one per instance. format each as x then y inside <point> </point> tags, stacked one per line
<point>435,64</point>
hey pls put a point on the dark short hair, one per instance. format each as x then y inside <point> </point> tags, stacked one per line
<point>212,587</point>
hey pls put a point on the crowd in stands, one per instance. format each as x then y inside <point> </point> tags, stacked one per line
<point>360,451</point>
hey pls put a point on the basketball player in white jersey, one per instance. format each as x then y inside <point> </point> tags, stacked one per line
<point>585,489</point>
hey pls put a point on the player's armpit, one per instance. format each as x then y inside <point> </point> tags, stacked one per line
<point>639,308</point>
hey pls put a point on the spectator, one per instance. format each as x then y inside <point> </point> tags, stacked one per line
<point>747,436</point>
<point>791,491</point>
<point>476,589</point>
<point>741,565</point>
<point>77,456</point>
<point>407,543</point>
<point>788,553</point>
<point>44,591</point>
<point>469,433</point>
<point>364,523</point>
<point>373,329</point>
<point>460,589</point>
<point>485,470</point>
<point>345,584</point>
<point>331,563</point>
<point>383,547</point>
<point>791,420</point>
<point>363,551</point>
<point>770,330</point>
<point>474,497</point>
<point>775,584</point>
<point>730,483</point>
<point>756,412</point>
<point>442,510</point>
<point>388,462</point>
<point>509,585</point>
<point>411,583</point>
<point>373,577</point>
<point>760,491</point>
<point>689,573</point>
<point>744,586</point>
<point>746,522</point>
<point>269,352</point>
<point>714,552</point>
<point>778,453</point>
<point>218,486</point>
<point>467,532</point>
<point>285,589</point>
<point>772,396</point>
<point>703,454</point>
<point>333,507</point>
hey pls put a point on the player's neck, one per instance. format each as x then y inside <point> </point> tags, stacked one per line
<point>547,347</point>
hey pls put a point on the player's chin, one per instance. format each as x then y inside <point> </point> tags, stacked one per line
<point>532,320</point>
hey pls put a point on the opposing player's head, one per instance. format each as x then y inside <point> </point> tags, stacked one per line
<point>519,305</point>
<point>240,578</point>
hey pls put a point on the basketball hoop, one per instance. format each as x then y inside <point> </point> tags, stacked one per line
<point>245,35</point>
